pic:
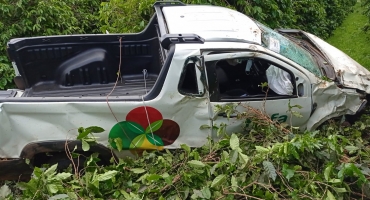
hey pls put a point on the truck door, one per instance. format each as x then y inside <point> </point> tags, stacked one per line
<point>259,81</point>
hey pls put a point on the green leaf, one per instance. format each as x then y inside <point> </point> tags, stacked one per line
<point>233,156</point>
<point>206,193</point>
<point>50,170</point>
<point>270,169</point>
<point>204,126</point>
<point>85,146</point>
<point>287,172</point>
<point>80,130</point>
<point>63,175</point>
<point>234,183</point>
<point>327,172</point>
<point>340,190</point>
<point>52,188</point>
<point>234,142</point>
<point>196,163</point>
<point>351,149</point>
<point>243,158</point>
<point>72,195</point>
<point>329,195</point>
<point>107,175</point>
<point>262,149</point>
<point>83,134</point>
<point>153,177</point>
<point>118,142</point>
<point>185,147</point>
<point>4,191</point>
<point>95,129</point>
<point>154,126</point>
<point>58,196</point>
<point>218,180</point>
<point>137,170</point>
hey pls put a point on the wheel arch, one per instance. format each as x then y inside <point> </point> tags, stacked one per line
<point>32,149</point>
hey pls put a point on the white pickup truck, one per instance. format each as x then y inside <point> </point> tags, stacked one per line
<point>156,88</point>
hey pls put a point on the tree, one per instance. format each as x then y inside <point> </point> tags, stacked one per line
<point>27,18</point>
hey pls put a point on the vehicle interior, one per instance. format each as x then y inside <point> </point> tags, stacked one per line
<point>253,78</point>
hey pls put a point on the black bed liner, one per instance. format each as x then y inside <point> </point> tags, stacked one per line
<point>87,65</point>
<point>133,87</point>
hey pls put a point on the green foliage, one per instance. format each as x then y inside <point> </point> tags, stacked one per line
<point>85,138</point>
<point>317,17</point>
<point>27,18</point>
<point>350,37</point>
<point>331,163</point>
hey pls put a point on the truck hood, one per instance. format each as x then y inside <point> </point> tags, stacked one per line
<point>349,72</point>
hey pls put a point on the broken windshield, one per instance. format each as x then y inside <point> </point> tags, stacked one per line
<point>280,44</point>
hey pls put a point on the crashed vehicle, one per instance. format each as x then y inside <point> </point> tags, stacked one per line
<point>156,88</point>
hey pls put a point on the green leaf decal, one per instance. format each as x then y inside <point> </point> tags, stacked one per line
<point>135,127</point>
<point>154,126</point>
<point>154,139</point>
<point>137,142</point>
<point>127,131</point>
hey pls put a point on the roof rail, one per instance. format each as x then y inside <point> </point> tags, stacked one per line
<point>168,3</point>
<point>168,39</point>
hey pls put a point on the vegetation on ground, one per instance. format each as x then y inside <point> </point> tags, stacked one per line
<point>268,161</point>
<point>351,38</point>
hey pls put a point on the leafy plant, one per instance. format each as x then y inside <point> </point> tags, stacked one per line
<point>261,163</point>
<point>86,136</point>
<point>27,18</point>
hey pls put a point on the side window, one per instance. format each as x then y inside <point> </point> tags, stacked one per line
<point>190,83</point>
<point>252,78</point>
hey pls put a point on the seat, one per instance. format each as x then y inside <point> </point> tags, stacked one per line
<point>224,85</point>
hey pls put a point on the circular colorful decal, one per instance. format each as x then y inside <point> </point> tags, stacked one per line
<point>144,128</point>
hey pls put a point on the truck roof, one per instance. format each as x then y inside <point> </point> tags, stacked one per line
<point>211,22</point>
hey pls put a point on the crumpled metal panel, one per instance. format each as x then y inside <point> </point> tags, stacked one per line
<point>211,22</point>
<point>332,102</point>
<point>288,49</point>
<point>350,73</point>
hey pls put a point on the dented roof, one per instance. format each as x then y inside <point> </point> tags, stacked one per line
<point>211,22</point>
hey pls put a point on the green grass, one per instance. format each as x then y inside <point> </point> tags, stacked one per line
<point>351,39</point>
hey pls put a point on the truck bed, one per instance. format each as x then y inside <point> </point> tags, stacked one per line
<point>124,87</point>
<point>87,65</point>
